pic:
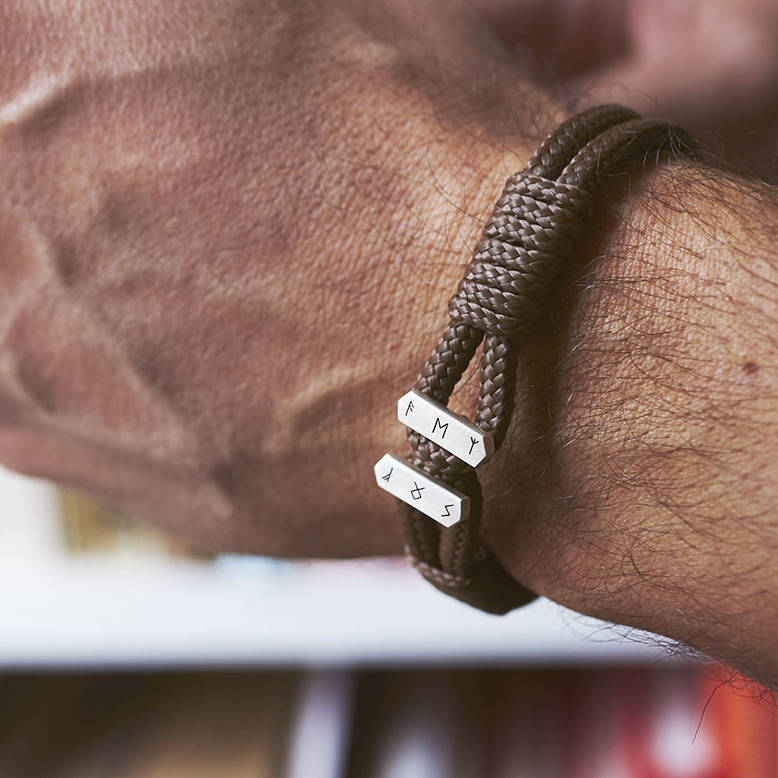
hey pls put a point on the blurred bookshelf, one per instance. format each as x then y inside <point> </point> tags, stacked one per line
<point>628,722</point>
<point>81,587</point>
<point>146,659</point>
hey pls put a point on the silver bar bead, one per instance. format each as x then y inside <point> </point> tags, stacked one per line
<point>425,493</point>
<point>449,430</point>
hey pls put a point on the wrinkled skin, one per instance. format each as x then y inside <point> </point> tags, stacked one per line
<point>229,232</point>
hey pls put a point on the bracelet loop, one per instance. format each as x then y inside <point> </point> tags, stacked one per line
<point>532,232</point>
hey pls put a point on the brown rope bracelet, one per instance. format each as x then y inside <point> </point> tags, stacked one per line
<point>536,224</point>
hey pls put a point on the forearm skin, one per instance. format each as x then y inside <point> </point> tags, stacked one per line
<point>655,475</point>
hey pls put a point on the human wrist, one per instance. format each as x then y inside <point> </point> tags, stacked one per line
<point>500,303</point>
<point>456,185</point>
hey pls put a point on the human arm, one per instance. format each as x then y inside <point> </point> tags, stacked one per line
<point>644,446</point>
<point>228,246</point>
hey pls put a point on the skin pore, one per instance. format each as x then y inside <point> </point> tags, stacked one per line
<point>227,247</point>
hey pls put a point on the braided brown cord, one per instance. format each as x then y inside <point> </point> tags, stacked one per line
<point>533,229</point>
<point>563,143</point>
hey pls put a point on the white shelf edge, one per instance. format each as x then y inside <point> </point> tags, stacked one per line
<point>103,612</point>
<point>92,611</point>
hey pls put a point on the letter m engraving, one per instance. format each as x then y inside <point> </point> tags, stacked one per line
<point>443,427</point>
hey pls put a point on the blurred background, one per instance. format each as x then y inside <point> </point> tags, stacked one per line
<point>123,654</point>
